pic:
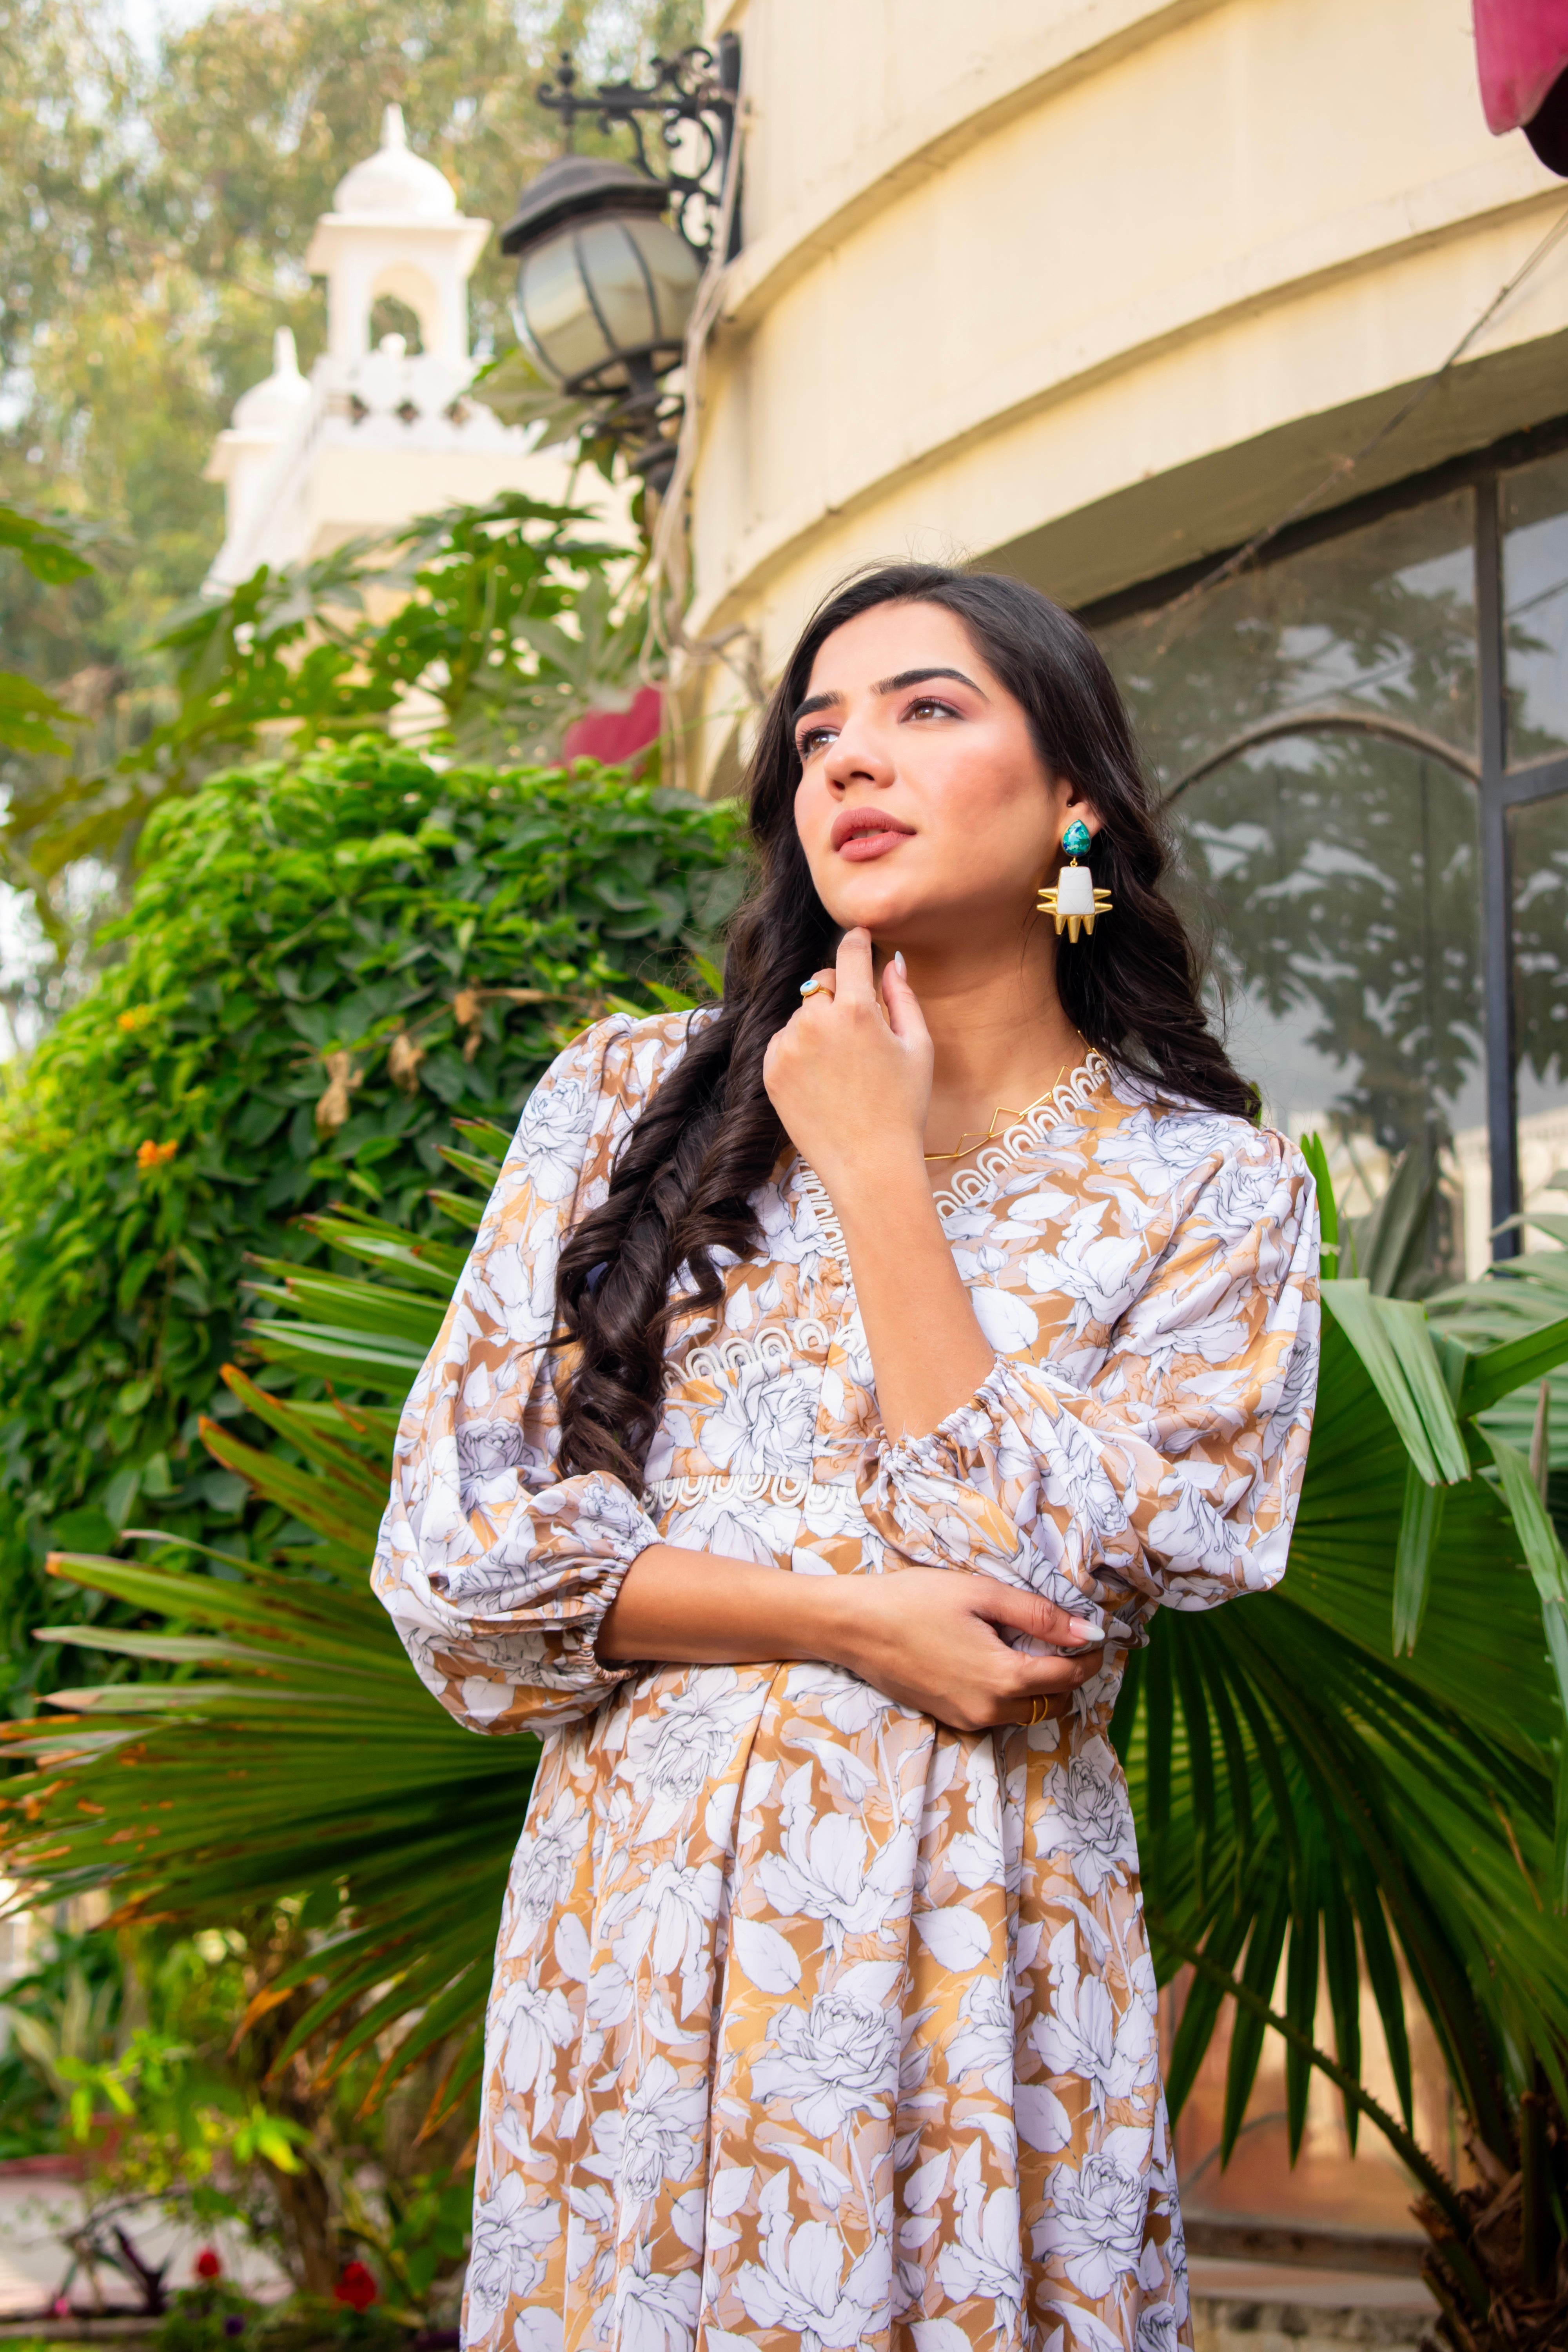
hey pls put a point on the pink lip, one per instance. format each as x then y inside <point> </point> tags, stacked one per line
<point>860,834</point>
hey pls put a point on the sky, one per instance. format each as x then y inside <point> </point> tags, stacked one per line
<point>144,19</point>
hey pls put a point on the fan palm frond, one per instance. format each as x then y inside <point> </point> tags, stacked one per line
<point>1313,1795</point>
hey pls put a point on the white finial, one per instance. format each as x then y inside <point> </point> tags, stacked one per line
<point>285,358</point>
<point>393,133</point>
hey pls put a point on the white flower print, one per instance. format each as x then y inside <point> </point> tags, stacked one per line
<point>1097,1270</point>
<point>551,1136</point>
<point>984,2256</point>
<point>533,2024</point>
<point>512,2232</point>
<point>832,2062</point>
<point>489,1453</point>
<point>775,1945</point>
<point>653,2136</point>
<point>1156,1153</point>
<point>671,1920</point>
<point>982,2043</point>
<point>655,2313</point>
<point>1094,2226</point>
<point>849,1705</point>
<point>761,1424</point>
<point>1010,1323</point>
<point>1158,2328</point>
<point>806,2284</point>
<point>824,1872</point>
<point>1087,1819</point>
<point>591,2231</point>
<point>1081,2034</point>
<point>543,1870</point>
<point>672,1756</point>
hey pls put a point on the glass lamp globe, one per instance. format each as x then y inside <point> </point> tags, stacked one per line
<point>605,286</point>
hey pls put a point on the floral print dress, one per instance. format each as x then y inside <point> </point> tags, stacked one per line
<point>814,2023</point>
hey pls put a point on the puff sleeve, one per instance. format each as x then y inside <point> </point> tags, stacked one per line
<point>496,1571</point>
<point>1173,1474</point>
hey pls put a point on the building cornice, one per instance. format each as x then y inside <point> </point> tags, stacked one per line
<point>1508,183</point>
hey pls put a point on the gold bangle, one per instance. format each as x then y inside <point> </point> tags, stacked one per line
<point>1036,1705</point>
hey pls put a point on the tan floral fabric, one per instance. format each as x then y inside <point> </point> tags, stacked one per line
<point>813,2023</point>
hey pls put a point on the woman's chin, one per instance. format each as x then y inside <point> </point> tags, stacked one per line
<point>910,918</point>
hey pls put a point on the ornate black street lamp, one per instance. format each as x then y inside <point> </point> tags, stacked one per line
<point>605,282</point>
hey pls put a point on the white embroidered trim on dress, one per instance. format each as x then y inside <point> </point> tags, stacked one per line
<point>827,1224</point>
<point>829,1507</point>
<point>748,1486</point>
<point>1076,1092</point>
<point>777,1350</point>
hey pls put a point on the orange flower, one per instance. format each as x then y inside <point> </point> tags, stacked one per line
<point>130,1020</point>
<point>153,1155</point>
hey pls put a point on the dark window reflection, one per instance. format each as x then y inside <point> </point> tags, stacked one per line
<point>1339,874</point>
<point>1381,618</point>
<point>1337,878</point>
<point>1540,863</point>
<point>1535,599</point>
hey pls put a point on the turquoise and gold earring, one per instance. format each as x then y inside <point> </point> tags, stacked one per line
<point>1072,899</point>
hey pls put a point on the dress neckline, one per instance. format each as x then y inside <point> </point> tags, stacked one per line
<point>995,1162</point>
<point>997,1159</point>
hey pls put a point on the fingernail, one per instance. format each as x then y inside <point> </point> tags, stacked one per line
<point>1082,1631</point>
<point>899,965</point>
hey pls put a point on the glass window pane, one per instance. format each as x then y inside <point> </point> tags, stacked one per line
<point>1535,602</point>
<point>1539,859</point>
<point>1337,878</point>
<point>1381,618</point>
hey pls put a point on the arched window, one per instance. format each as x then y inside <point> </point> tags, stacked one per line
<point>1362,741</point>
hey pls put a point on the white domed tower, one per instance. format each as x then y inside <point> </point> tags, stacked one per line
<point>376,436</point>
<point>265,419</point>
<point>394,229</point>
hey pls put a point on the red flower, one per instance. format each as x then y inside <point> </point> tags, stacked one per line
<point>357,2288</point>
<point>207,2264</point>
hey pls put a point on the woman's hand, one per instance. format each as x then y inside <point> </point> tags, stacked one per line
<point>850,1073</point>
<point>930,1638</point>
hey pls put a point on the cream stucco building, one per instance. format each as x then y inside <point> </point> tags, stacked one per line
<point>1098,291</point>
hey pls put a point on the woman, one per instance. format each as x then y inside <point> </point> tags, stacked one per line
<point>822,2012</point>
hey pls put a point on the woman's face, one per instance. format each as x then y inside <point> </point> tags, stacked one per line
<point>923,807</point>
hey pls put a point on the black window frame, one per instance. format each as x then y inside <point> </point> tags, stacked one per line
<point>1500,787</point>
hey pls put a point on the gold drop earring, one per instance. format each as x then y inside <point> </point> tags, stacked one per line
<point>1072,898</point>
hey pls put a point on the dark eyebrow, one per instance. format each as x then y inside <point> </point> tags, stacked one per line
<point>917,678</point>
<point>830,700</point>
<point>814,702</point>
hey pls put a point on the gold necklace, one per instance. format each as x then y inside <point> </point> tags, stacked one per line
<point>1001,1111</point>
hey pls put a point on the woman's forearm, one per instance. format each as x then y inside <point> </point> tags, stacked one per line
<point>928,1354</point>
<point>695,1608</point>
<point>927,1638</point>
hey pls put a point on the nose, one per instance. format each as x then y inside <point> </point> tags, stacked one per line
<point>855,756</point>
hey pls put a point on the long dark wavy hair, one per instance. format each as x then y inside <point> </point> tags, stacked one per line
<point>682,1183</point>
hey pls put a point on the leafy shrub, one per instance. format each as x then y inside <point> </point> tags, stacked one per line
<point>324,965</point>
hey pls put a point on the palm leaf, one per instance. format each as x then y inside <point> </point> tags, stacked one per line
<point>1310,1793</point>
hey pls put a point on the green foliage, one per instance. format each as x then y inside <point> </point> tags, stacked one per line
<point>30,718</point>
<point>503,622</point>
<point>323,966</point>
<point>1306,1801</point>
<point>157,212</point>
